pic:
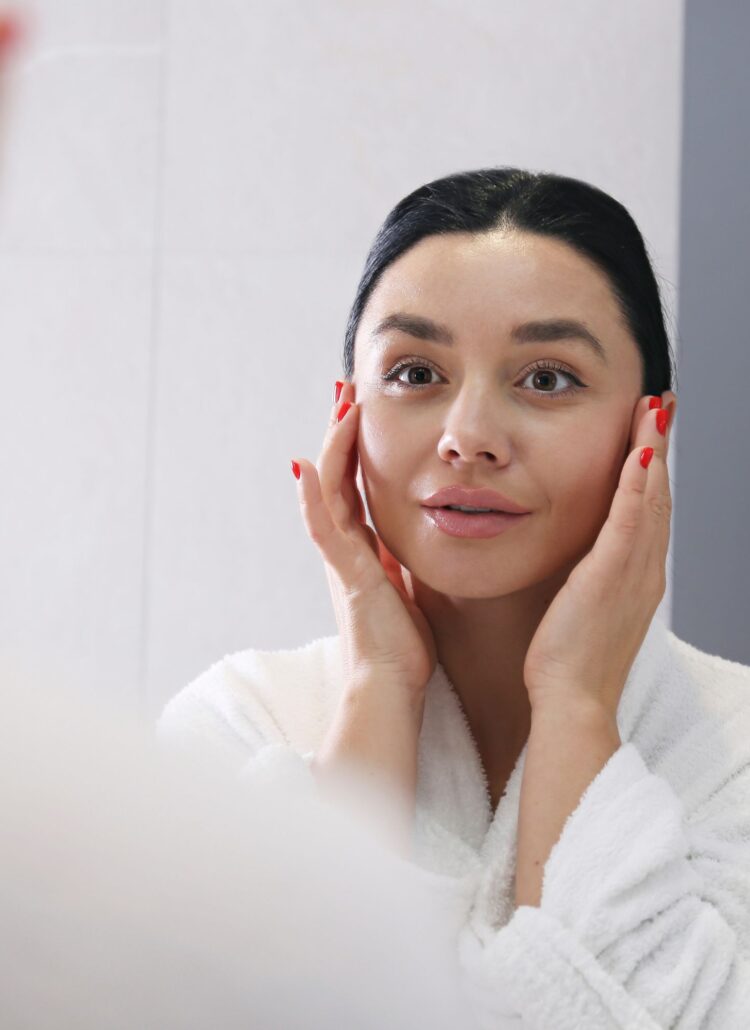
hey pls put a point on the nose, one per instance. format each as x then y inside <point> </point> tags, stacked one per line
<point>472,437</point>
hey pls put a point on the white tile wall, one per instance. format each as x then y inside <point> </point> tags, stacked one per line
<point>81,131</point>
<point>73,397</point>
<point>245,382</point>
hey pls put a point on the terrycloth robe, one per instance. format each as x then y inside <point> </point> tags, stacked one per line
<point>644,920</point>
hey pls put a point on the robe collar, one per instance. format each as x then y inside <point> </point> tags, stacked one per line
<point>456,832</point>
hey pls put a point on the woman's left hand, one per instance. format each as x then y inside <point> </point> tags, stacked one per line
<point>586,642</point>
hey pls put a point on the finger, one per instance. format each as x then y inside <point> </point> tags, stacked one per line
<point>328,510</point>
<point>655,429</point>
<point>636,532</point>
<point>349,486</point>
<point>336,460</point>
<point>643,421</point>
<point>658,493</point>
<point>330,540</point>
<point>342,549</point>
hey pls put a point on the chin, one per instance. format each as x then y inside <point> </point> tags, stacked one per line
<point>480,583</point>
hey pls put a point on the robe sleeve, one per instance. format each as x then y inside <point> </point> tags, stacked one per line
<point>644,920</point>
<point>214,732</point>
<point>189,726</point>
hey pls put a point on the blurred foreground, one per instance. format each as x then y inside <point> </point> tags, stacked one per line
<point>141,889</point>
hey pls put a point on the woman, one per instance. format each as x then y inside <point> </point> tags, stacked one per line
<point>576,773</point>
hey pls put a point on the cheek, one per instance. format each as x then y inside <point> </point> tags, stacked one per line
<point>581,486</point>
<point>389,440</point>
<point>383,459</point>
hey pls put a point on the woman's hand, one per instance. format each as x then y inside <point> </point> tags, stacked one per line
<point>383,632</point>
<point>586,642</point>
<point>387,648</point>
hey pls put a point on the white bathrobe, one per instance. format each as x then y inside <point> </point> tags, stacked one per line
<point>644,919</point>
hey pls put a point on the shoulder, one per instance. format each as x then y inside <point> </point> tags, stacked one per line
<point>708,694</point>
<point>696,727</point>
<point>254,697</point>
<point>720,677</point>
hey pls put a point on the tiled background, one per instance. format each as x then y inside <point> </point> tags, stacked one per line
<point>187,194</point>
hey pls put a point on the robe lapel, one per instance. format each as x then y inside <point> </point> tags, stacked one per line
<point>456,832</point>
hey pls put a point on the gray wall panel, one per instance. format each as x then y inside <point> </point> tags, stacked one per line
<point>711,575</point>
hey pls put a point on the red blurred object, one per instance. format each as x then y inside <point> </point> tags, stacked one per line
<point>10,31</point>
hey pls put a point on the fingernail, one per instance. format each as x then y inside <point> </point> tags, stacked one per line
<point>337,390</point>
<point>343,410</point>
<point>655,402</point>
<point>662,418</point>
<point>295,469</point>
<point>646,455</point>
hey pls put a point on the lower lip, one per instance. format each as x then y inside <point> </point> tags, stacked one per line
<point>459,523</point>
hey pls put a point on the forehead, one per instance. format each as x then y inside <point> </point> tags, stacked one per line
<point>493,281</point>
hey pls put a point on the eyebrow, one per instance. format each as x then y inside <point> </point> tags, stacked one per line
<point>543,330</point>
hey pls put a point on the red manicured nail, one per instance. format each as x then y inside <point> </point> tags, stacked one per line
<point>662,418</point>
<point>646,455</point>
<point>295,469</point>
<point>655,402</point>
<point>343,410</point>
<point>337,390</point>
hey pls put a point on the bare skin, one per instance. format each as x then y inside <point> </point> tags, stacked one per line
<point>484,418</point>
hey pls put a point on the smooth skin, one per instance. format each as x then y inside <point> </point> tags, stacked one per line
<point>504,616</point>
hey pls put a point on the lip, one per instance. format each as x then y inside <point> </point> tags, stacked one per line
<point>476,527</point>
<point>476,498</point>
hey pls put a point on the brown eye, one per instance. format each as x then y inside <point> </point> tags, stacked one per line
<point>419,379</point>
<point>546,374</point>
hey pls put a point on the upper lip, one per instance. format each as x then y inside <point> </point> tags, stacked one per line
<point>475,498</point>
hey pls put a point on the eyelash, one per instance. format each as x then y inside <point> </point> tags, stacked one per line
<point>537,366</point>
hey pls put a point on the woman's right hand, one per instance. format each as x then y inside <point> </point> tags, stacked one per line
<point>383,632</point>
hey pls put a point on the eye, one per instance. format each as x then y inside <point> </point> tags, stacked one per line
<point>405,365</point>
<point>544,371</point>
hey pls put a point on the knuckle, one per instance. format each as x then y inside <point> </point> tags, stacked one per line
<point>322,536</point>
<point>629,525</point>
<point>316,534</point>
<point>660,505</point>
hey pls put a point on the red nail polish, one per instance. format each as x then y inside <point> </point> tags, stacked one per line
<point>295,469</point>
<point>343,410</point>
<point>646,455</point>
<point>655,402</point>
<point>337,390</point>
<point>662,418</point>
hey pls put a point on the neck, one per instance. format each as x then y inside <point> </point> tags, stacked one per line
<point>482,644</point>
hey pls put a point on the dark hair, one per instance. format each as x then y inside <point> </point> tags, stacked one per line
<point>509,199</point>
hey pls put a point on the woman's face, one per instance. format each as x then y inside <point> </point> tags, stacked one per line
<point>479,413</point>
